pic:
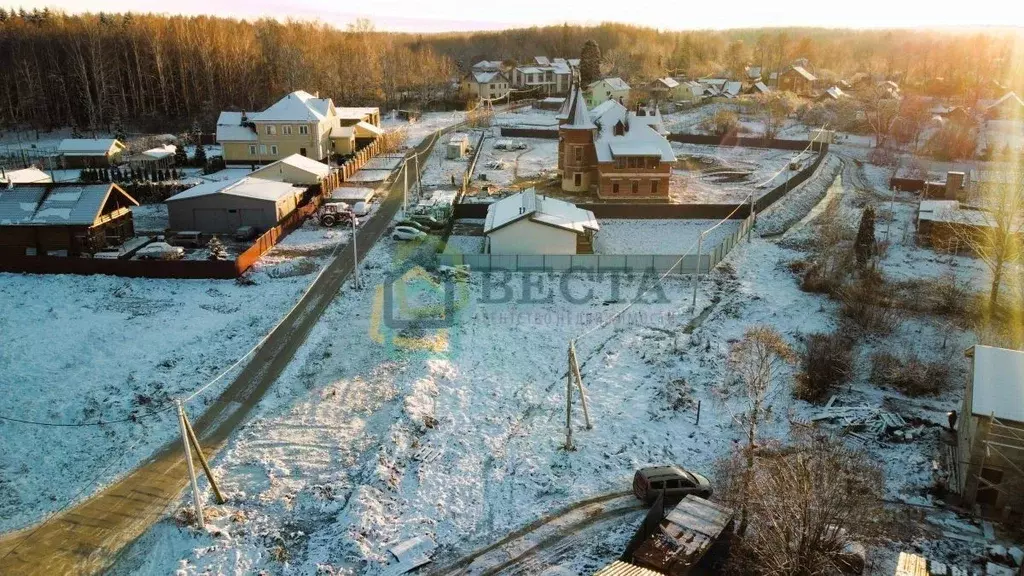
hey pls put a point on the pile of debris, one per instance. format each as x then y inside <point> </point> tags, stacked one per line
<point>864,422</point>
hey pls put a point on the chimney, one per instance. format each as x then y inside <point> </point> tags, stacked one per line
<point>954,185</point>
<point>245,117</point>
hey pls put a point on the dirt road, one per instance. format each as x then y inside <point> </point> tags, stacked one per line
<point>86,538</point>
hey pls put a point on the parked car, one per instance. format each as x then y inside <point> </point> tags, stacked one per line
<point>407,233</point>
<point>674,481</point>
<point>414,224</point>
<point>428,221</point>
<point>245,233</point>
<point>361,209</point>
<point>160,251</point>
<point>188,239</point>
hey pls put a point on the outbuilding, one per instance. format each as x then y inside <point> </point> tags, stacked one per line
<point>224,207</point>
<point>295,169</point>
<point>30,175</point>
<point>458,144</point>
<point>63,219</point>
<point>529,223</point>
<point>90,152</point>
<point>990,431</point>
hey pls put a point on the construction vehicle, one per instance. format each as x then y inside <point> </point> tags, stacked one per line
<point>334,213</point>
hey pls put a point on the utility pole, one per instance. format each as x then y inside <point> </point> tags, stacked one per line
<point>202,459</point>
<point>892,214</point>
<point>753,219</point>
<point>355,252</point>
<point>696,271</point>
<point>568,407</point>
<point>197,499</point>
<point>574,368</point>
<point>405,188</point>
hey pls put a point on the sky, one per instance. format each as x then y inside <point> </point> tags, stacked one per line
<point>463,15</point>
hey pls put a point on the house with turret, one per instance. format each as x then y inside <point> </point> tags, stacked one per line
<point>613,152</point>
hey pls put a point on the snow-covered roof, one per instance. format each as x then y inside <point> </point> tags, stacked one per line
<point>31,175</point>
<point>540,209</point>
<point>753,72</point>
<point>244,186</point>
<point>644,135</point>
<point>835,93</point>
<point>761,87</point>
<point>732,88</point>
<point>950,212</point>
<point>542,60</point>
<point>563,110</point>
<point>998,388</point>
<point>718,83</point>
<point>485,77</point>
<point>579,117</point>
<point>802,72</point>
<point>667,82</point>
<point>302,163</point>
<point>299,106</point>
<point>487,65</point>
<point>56,205</point>
<point>161,151</point>
<point>89,146</point>
<point>356,112</point>
<point>529,70</point>
<point>1009,96</point>
<point>230,129</point>
<point>615,83</point>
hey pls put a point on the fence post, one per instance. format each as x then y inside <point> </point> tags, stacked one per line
<point>696,271</point>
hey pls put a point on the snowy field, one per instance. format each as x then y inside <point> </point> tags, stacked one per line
<point>506,167</point>
<point>150,217</point>
<point>674,237</point>
<point>426,125</point>
<point>120,348</point>
<point>527,117</point>
<point>728,174</point>
<point>392,433</point>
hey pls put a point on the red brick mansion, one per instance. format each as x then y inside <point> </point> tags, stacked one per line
<point>615,152</point>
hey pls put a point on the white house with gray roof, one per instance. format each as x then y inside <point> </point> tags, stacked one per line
<point>530,223</point>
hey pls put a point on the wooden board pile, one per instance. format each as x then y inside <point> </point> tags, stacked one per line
<point>863,419</point>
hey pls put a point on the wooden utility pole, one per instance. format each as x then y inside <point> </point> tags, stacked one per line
<point>696,271</point>
<point>197,499</point>
<point>202,459</point>
<point>574,368</point>
<point>568,406</point>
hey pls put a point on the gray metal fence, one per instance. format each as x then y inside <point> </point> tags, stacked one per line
<point>600,263</point>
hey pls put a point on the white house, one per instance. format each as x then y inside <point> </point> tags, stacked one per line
<point>295,169</point>
<point>607,89</point>
<point>529,223</point>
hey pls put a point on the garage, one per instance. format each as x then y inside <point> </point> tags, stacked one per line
<point>223,207</point>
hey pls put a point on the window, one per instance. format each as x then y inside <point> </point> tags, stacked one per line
<point>286,130</point>
<point>652,162</point>
<point>577,153</point>
<point>634,162</point>
<point>577,179</point>
<point>252,149</point>
<point>672,484</point>
<point>659,485</point>
<point>273,150</point>
<point>492,86</point>
<point>304,130</point>
<point>263,148</point>
<point>620,163</point>
<point>271,130</point>
<point>615,187</point>
<point>635,186</point>
<point>654,186</point>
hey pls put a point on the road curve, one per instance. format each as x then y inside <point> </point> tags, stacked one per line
<point>86,538</point>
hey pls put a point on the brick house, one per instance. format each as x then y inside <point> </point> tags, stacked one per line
<point>615,152</point>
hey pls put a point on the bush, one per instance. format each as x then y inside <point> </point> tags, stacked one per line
<point>827,363</point>
<point>722,123</point>
<point>866,307</point>
<point>816,280</point>
<point>909,375</point>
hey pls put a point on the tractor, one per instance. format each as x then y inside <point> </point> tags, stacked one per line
<point>334,213</point>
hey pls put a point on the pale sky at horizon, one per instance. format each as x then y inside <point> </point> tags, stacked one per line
<point>456,15</point>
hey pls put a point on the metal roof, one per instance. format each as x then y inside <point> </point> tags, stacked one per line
<point>620,568</point>
<point>246,187</point>
<point>998,378</point>
<point>54,205</point>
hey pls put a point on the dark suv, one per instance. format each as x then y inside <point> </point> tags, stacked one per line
<point>674,481</point>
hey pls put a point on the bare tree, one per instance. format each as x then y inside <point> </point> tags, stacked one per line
<point>994,233</point>
<point>808,501</point>
<point>756,361</point>
<point>773,108</point>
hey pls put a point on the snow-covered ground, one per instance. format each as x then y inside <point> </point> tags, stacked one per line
<point>150,217</point>
<point>728,174</point>
<point>505,167</point>
<point>81,349</point>
<point>660,236</point>
<point>427,124</point>
<point>527,117</point>
<point>398,432</point>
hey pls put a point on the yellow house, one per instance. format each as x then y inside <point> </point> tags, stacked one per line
<point>485,85</point>
<point>300,123</point>
<point>607,89</point>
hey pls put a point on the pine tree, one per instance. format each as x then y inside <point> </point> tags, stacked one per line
<point>180,156</point>
<point>74,130</point>
<point>590,63</point>
<point>200,157</point>
<point>119,131</point>
<point>864,245</point>
<point>217,250</point>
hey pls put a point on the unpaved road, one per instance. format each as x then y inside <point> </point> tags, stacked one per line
<point>86,538</point>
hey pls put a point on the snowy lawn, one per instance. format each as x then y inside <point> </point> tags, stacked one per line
<point>80,349</point>
<point>728,174</point>
<point>506,167</point>
<point>150,217</point>
<point>427,124</point>
<point>527,117</point>
<point>464,245</point>
<point>675,237</point>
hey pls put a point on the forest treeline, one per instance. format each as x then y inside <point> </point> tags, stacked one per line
<point>154,71</point>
